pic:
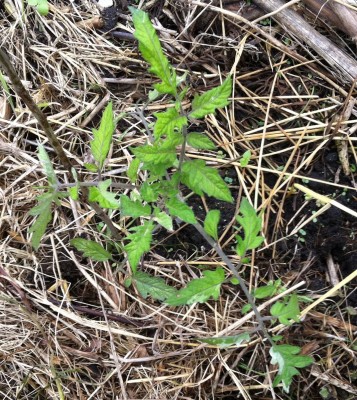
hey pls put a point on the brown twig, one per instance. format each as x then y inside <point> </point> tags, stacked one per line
<point>38,114</point>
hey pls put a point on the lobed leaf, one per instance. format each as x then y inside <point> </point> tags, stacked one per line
<point>208,102</point>
<point>153,286</point>
<point>139,243</point>
<point>286,310</point>
<point>181,210</point>
<point>91,167</point>
<point>199,290</point>
<point>44,217</point>
<point>200,141</point>
<point>133,208</point>
<point>44,200</point>
<point>104,198</point>
<point>100,145</point>
<point>46,165</point>
<point>158,153</point>
<point>251,224</point>
<point>211,223</point>
<point>201,178</point>
<point>133,170</point>
<point>268,290</point>
<point>149,192</point>
<point>163,219</point>
<point>168,122</point>
<point>150,48</point>
<point>91,249</point>
<point>287,358</point>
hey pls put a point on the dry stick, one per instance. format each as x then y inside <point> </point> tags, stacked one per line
<point>271,39</point>
<point>52,138</point>
<point>38,114</point>
<point>338,15</point>
<point>296,25</point>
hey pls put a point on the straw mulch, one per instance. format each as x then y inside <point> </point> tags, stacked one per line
<point>69,327</point>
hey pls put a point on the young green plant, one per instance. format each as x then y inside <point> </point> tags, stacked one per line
<point>158,200</point>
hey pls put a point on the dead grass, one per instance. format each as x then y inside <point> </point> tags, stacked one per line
<point>63,334</point>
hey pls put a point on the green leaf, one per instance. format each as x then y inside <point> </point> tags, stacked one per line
<point>100,145</point>
<point>264,291</point>
<point>268,290</point>
<point>199,290</point>
<point>133,170</point>
<point>150,48</point>
<point>234,281</point>
<point>42,7</point>
<point>208,102</point>
<point>153,95</point>
<point>201,178</point>
<point>104,198</point>
<point>181,210</point>
<point>157,171</point>
<point>153,286</point>
<point>251,224</point>
<point>91,249</point>
<point>168,122</point>
<point>128,281</point>
<point>46,165</point>
<point>200,141</point>
<point>169,188</point>
<point>91,167</point>
<point>133,208</point>
<point>246,308</point>
<point>158,153</point>
<point>286,310</point>
<point>149,192</point>
<point>163,219</point>
<point>287,358</point>
<point>211,223</point>
<point>43,211</point>
<point>226,341</point>
<point>244,161</point>
<point>139,243</point>
<point>74,191</point>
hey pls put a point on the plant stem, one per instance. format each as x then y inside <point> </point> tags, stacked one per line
<point>183,148</point>
<point>95,183</point>
<point>235,272</point>
<point>21,91</point>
